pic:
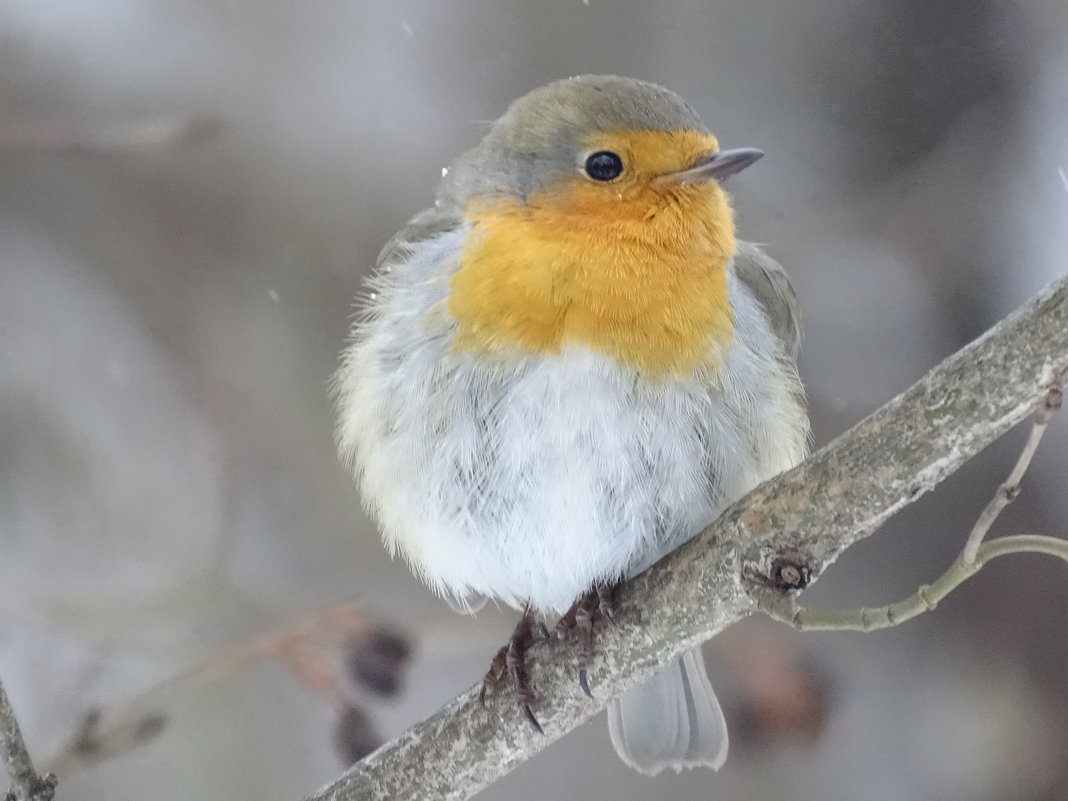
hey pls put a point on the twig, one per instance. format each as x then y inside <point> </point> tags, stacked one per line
<point>105,734</point>
<point>26,785</point>
<point>792,526</point>
<point>1010,487</point>
<point>973,556</point>
<point>60,135</point>
<point>925,599</point>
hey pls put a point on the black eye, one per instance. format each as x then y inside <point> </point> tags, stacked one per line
<point>604,165</point>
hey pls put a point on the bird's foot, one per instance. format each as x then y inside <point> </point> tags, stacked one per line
<point>511,659</point>
<point>579,623</point>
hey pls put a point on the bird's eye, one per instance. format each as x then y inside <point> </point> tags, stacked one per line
<point>604,165</point>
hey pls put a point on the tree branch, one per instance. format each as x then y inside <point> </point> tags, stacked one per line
<point>974,556</point>
<point>323,650</point>
<point>786,530</point>
<point>1010,487</point>
<point>61,135</point>
<point>26,785</point>
<point>925,599</point>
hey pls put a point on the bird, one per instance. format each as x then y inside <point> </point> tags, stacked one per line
<point>566,368</point>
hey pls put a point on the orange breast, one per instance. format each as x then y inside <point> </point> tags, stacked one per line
<point>639,276</point>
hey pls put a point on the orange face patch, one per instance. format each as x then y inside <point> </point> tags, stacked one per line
<point>649,154</point>
<point>633,268</point>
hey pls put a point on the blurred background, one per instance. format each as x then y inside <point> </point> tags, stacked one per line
<point>190,192</point>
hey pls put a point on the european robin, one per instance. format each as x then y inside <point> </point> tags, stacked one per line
<point>567,367</point>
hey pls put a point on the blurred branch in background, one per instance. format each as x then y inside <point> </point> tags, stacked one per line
<point>336,652</point>
<point>781,534</point>
<point>62,135</point>
<point>971,559</point>
<point>26,784</point>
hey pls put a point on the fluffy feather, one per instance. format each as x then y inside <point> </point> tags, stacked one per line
<point>531,477</point>
<point>569,394</point>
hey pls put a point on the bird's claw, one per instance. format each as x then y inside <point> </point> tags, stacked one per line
<point>579,622</point>
<point>511,659</point>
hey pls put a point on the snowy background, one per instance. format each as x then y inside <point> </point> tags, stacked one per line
<point>190,191</point>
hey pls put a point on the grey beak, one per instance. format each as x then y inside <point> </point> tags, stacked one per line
<point>717,166</point>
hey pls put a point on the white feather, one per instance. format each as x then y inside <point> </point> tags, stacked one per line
<point>531,478</point>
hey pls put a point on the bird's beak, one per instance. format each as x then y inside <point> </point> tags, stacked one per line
<point>717,166</point>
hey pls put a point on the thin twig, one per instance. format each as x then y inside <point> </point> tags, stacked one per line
<point>925,599</point>
<point>972,557</point>
<point>1010,488</point>
<point>804,519</point>
<point>108,733</point>
<point>26,785</point>
<point>62,135</point>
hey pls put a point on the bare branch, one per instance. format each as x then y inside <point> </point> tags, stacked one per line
<point>26,785</point>
<point>974,555</point>
<point>792,526</point>
<point>61,135</point>
<point>111,732</point>
<point>1010,488</point>
<point>925,599</point>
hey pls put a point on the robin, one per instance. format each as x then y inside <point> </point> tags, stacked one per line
<point>566,368</point>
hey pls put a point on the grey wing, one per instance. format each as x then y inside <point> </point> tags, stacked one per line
<point>768,282</point>
<point>424,225</point>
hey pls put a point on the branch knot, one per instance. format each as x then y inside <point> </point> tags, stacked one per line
<point>790,572</point>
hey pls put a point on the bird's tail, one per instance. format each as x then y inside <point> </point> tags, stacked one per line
<point>673,720</point>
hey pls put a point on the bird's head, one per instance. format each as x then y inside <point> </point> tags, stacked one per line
<point>597,218</point>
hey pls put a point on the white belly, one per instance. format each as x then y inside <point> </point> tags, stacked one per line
<point>532,479</point>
